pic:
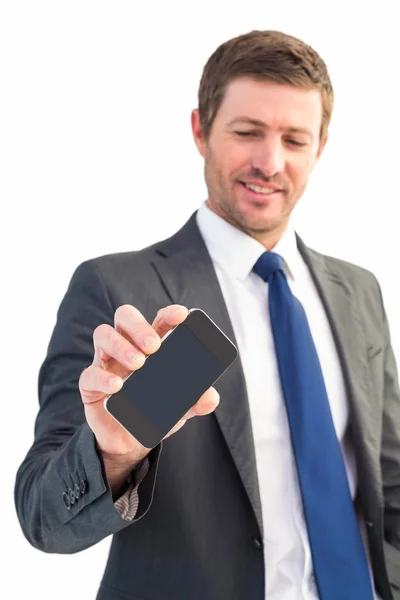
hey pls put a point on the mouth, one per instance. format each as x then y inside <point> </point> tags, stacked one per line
<point>260,194</point>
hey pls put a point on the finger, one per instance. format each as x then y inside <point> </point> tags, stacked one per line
<point>204,405</point>
<point>132,325</point>
<point>169,317</point>
<point>176,428</point>
<point>108,343</point>
<point>95,383</point>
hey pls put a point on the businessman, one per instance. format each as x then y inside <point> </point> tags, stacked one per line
<point>283,480</point>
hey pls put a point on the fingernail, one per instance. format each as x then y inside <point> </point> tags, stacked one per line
<point>175,309</point>
<point>150,340</point>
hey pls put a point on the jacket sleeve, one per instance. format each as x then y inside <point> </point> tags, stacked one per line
<point>390,456</point>
<point>62,497</point>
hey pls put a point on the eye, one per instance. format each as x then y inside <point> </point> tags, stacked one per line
<point>244,133</point>
<point>296,143</point>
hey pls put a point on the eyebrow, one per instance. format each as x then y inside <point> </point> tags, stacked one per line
<point>258,123</point>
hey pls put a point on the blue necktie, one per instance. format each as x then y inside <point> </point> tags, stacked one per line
<point>339,559</point>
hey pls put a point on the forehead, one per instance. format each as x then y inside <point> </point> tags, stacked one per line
<point>276,104</point>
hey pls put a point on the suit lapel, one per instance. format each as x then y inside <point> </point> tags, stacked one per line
<point>347,326</point>
<point>185,267</point>
<point>187,272</point>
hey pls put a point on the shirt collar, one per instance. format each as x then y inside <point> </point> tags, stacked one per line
<point>236,251</point>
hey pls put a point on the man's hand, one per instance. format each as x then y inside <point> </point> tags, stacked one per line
<point>118,351</point>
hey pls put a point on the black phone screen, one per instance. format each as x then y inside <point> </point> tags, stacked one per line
<point>156,396</point>
<point>178,372</point>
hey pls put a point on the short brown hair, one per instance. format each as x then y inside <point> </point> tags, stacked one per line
<point>266,56</point>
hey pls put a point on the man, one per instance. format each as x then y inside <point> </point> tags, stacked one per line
<point>289,485</point>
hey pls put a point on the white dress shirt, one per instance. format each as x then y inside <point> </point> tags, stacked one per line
<point>287,555</point>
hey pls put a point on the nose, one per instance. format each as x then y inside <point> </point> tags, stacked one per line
<point>268,158</point>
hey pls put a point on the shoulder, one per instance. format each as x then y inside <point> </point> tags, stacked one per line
<point>124,261</point>
<point>123,278</point>
<point>360,281</point>
<point>118,265</point>
<point>354,274</point>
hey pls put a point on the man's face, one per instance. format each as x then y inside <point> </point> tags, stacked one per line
<point>279,149</point>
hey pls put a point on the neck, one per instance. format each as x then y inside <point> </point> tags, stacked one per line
<point>267,238</point>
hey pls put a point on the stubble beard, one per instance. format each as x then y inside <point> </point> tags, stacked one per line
<point>225,203</point>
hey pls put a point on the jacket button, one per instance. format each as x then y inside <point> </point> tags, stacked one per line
<point>76,491</point>
<point>66,500</point>
<point>257,543</point>
<point>369,524</point>
<point>83,486</point>
<point>71,495</point>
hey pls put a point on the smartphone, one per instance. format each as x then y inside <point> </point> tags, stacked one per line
<point>192,356</point>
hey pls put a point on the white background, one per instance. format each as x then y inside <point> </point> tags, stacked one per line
<point>97,156</point>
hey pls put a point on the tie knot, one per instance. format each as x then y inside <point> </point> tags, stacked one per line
<point>268,263</point>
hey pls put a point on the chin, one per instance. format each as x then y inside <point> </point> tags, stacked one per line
<point>261,216</point>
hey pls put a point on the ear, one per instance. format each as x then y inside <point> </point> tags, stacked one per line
<point>321,147</point>
<point>198,132</point>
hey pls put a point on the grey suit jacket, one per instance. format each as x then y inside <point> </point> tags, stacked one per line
<point>198,531</point>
